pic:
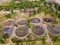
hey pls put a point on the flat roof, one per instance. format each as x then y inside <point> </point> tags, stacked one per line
<point>22,22</point>
<point>35,20</point>
<point>21,31</point>
<point>9,22</point>
<point>37,30</point>
<point>53,29</point>
<point>8,30</point>
<point>47,19</point>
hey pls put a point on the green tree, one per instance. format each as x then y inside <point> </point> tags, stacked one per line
<point>43,40</point>
<point>17,41</point>
<point>14,40</point>
<point>59,15</point>
<point>2,41</point>
<point>45,7</point>
<point>8,16</point>
<point>54,39</point>
<point>1,8</point>
<point>28,25</point>
<point>5,36</point>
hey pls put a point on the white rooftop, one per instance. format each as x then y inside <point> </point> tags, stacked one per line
<point>57,1</point>
<point>49,0</point>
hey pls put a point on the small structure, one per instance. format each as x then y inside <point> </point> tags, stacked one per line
<point>21,32</point>
<point>50,0</point>
<point>9,22</point>
<point>8,30</point>
<point>5,12</point>
<point>22,22</point>
<point>15,24</point>
<point>57,1</point>
<point>35,20</point>
<point>37,30</point>
<point>53,29</point>
<point>16,10</point>
<point>29,10</point>
<point>47,19</point>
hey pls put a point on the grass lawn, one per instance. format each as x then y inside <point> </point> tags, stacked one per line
<point>31,43</point>
<point>27,43</point>
<point>58,40</point>
<point>38,38</point>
